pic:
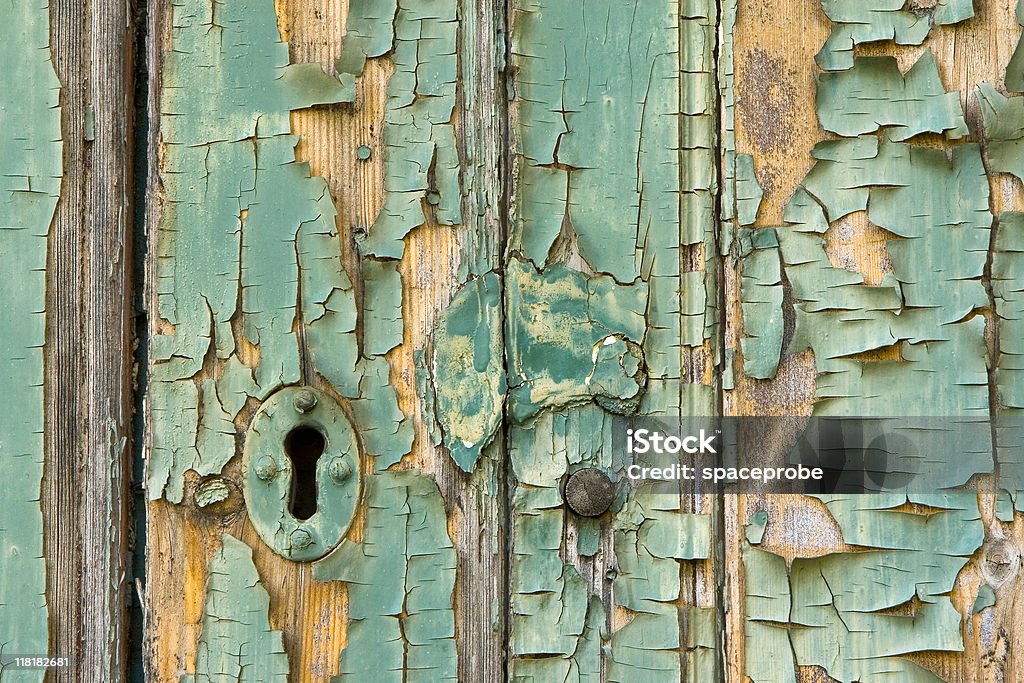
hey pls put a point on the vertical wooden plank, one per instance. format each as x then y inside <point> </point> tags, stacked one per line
<point>67,329</point>
<point>88,351</point>
<point>30,185</point>
<point>394,182</point>
<point>610,286</point>
<point>776,122</point>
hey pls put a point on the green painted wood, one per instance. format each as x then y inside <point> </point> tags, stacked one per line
<point>606,302</point>
<point>856,615</point>
<point>253,298</point>
<point>30,182</point>
<point>236,642</point>
<point>611,301</point>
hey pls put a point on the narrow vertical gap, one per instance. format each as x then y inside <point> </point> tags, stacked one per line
<point>142,19</point>
<point>503,27</point>
<point>718,522</point>
<point>993,317</point>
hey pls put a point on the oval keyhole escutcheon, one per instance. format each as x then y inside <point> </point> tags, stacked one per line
<point>302,479</point>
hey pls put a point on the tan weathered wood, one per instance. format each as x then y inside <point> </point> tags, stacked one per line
<point>775,44</point>
<point>88,354</point>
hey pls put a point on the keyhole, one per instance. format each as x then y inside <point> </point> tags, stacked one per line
<point>303,446</point>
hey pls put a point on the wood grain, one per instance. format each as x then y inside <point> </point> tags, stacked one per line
<point>775,44</point>
<point>88,353</point>
<point>182,539</point>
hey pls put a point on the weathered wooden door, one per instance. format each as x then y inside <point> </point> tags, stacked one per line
<point>379,278</point>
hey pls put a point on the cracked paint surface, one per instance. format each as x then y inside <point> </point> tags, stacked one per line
<point>855,22</point>
<point>1008,291</point>
<point>857,614</point>
<point>30,184</point>
<point>923,307</point>
<point>236,642</point>
<point>400,582</point>
<point>761,297</point>
<point>609,291</point>
<point>248,247</point>
<point>568,338</point>
<point>468,362</point>
<point>253,295</point>
<point>421,164</point>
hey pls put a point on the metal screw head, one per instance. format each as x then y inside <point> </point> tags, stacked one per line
<point>589,492</point>
<point>304,401</point>
<point>266,469</point>
<point>340,470</point>
<point>300,539</point>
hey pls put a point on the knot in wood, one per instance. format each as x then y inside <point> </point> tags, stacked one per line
<point>1000,563</point>
<point>589,492</point>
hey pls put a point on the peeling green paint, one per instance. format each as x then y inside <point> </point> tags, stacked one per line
<point>756,527</point>
<point>924,305</point>
<point>873,95</point>
<point>386,432</point>
<point>856,614</point>
<point>836,611</point>
<point>1014,79</point>
<point>761,297</point>
<point>468,370</point>
<point>236,642</point>
<point>400,583</point>
<point>604,168</point>
<point>553,638</point>
<point>382,306</point>
<point>1004,130</point>
<point>1008,293</point>
<point>986,598</point>
<point>702,641</point>
<point>572,338</point>
<point>248,243</point>
<point>588,539</point>
<point>420,155</point>
<point>728,209</point>
<point>652,535</point>
<point>748,191</point>
<point>30,185</point>
<point>864,21</point>
<point>227,144</point>
<point>610,289</point>
<point>768,654</point>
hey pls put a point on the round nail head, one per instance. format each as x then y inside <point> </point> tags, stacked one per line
<point>305,401</point>
<point>589,492</point>
<point>301,539</point>
<point>339,470</point>
<point>266,469</point>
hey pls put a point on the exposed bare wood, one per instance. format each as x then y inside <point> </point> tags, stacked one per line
<point>182,539</point>
<point>88,354</point>
<point>775,120</point>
